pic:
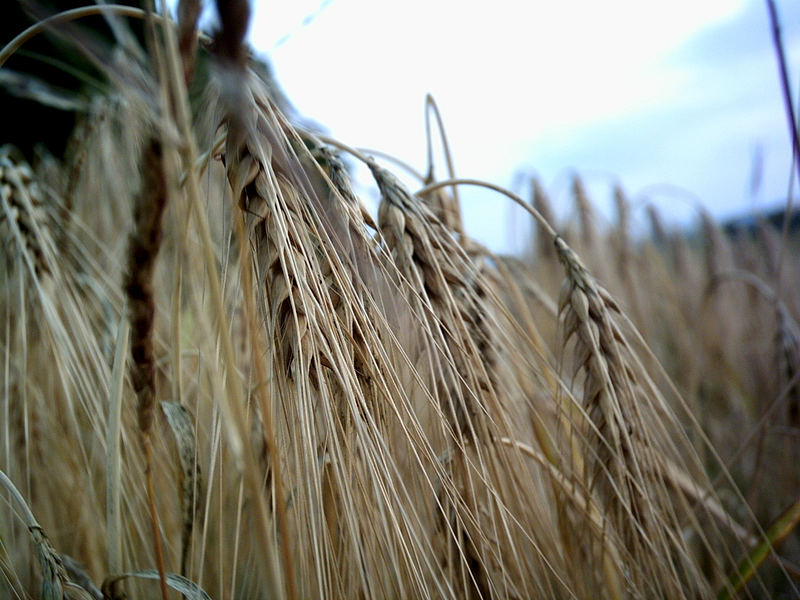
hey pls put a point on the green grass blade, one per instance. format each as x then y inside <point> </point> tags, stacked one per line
<point>745,570</point>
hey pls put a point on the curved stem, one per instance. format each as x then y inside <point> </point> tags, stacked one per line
<point>785,88</point>
<point>30,519</point>
<point>500,190</point>
<point>73,15</point>
<point>345,148</point>
<point>747,277</point>
<point>65,17</point>
<point>393,159</point>
<point>432,107</point>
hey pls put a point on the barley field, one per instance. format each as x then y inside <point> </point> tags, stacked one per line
<point>224,377</point>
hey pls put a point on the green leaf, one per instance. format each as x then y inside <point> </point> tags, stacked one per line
<point>748,566</point>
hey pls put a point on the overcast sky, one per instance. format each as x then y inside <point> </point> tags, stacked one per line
<point>645,93</point>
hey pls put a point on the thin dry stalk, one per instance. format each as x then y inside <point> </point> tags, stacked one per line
<point>445,205</point>
<point>786,88</point>
<point>586,216</point>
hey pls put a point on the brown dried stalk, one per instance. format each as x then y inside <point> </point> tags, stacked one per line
<point>144,244</point>
<point>188,15</point>
<point>234,16</point>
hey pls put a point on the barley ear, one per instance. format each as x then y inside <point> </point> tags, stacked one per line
<point>54,576</point>
<point>22,213</point>
<point>190,479</point>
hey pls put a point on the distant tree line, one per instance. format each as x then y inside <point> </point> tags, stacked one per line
<point>775,218</point>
